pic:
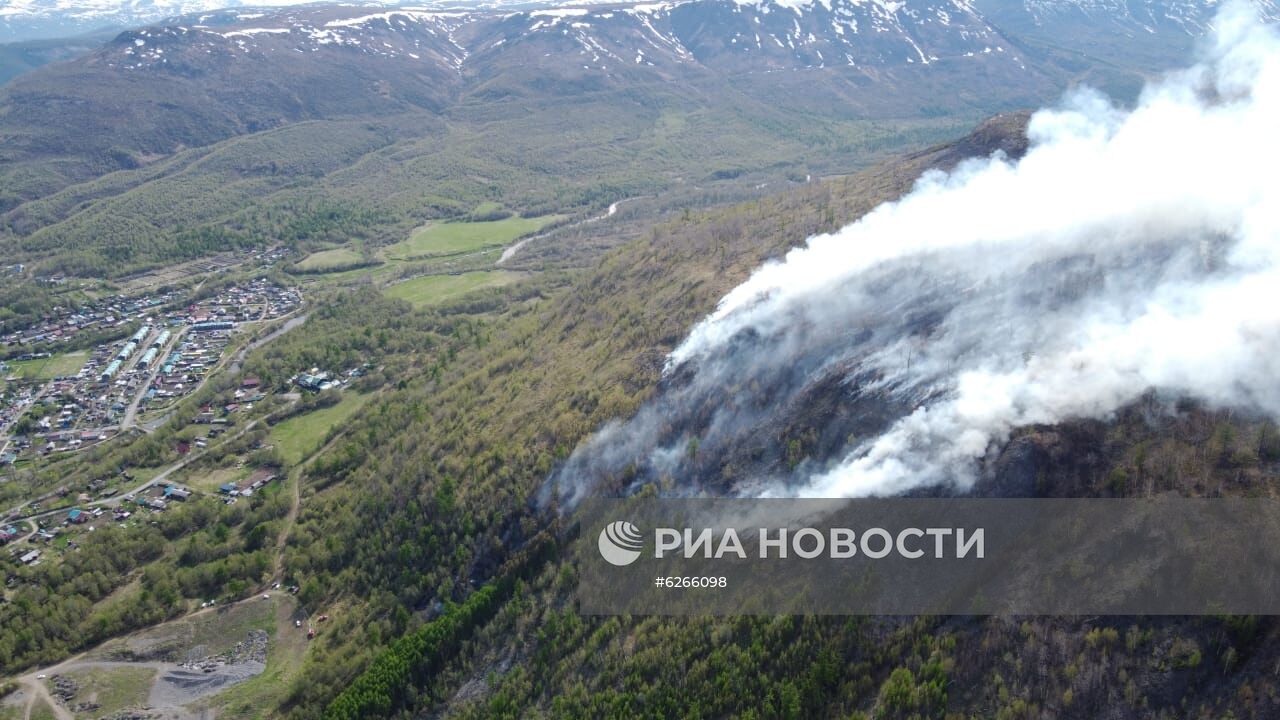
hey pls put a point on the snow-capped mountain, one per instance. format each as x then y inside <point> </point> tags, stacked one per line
<point>1148,33</point>
<point>745,35</point>
<point>32,19</point>
<point>1148,16</point>
<point>28,19</point>
<point>25,19</point>
<point>198,78</point>
<point>615,41</point>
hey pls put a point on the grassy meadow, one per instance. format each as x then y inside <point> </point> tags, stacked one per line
<point>50,367</point>
<point>323,260</point>
<point>435,289</point>
<point>301,435</point>
<point>451,238</point>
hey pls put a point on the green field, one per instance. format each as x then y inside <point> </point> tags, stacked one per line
<point>451,238</point>
<point>209,480</point>
<point>328,259</point>
<point>433,289</point>
<point>48,368</point>
<point>299,436</point>
<point>113,689</point>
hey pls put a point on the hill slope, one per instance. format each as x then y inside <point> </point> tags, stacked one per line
<point>429,496</point>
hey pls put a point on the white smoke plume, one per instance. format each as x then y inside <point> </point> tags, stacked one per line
<point>1127,250</point>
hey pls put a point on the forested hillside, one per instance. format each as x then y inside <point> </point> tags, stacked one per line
<point>428,496</point>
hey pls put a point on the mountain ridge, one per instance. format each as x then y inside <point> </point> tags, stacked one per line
<point>153,93</point>
<point>157,90</point>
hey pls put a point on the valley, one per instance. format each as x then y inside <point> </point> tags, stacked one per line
<point>774,93</point>
<point>317,321</point>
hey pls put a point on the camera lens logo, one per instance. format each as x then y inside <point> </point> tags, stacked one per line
<point>620,543</point>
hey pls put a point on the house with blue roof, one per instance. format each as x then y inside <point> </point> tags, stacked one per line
<point>174,492</point>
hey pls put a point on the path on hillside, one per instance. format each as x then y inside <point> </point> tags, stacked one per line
<point>511,251</point>
<point>291,519</point>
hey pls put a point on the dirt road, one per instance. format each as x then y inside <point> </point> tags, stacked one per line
<point>511,251</point>
<point>175,685</point>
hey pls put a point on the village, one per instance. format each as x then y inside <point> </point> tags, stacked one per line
<point>107,314</point>
<point>113,312</point>
<point>100,502</point>
<point>164,369</point>
<point>51,525</point>
<point>90,395</point>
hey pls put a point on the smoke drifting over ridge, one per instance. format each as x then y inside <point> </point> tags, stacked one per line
<point>1127,250</point>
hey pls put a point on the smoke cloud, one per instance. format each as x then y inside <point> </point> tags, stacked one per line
<point>1129,249</point>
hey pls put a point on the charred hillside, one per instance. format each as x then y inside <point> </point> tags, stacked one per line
<point>902,351</point>
<point>486,441</point>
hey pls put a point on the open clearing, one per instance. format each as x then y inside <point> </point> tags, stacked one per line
<point>208,481</point>
<point>209,632</point>
<point>299,436</point>
<point>49,368</point>
<point>451,238</point>
<point>245,700</point>
<point>112,689</point>
<point>329,259</point>
<point>179,668</point>
<point>433,289</point>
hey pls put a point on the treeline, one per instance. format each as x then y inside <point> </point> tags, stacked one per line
<point>24,302</point>
<point>783,668</point>
<point>125,248</point>
<point>329,222</point>
<point>385,686</point>
<point>364,262</point>
<point>391,681</point>
<point>113,256</point>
